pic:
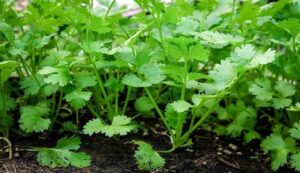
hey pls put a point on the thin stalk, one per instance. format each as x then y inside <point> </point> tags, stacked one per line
<point>159,112</point>
<point>294,44</point>
<point>25,66</point>
<point>233,9</point>
<point>2,95</point>
<point>179,125</point>
<point>109,8</point>
<point>117,96</point>
<point>6,133</point>
<point>10,152</point>
<point>162,42</point>
<point>33,67</point>
<point>191,130</point>
<point>57,110</point>
<point>101,85</point>
<point>77,117</point>
<point>97,98</point>
<point>91,109</point>
<point>126,100</point>
<point>99,80</point>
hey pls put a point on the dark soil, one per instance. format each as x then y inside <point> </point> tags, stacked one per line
<point>116,156</point>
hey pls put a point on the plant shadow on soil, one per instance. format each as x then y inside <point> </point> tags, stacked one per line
<point>116,156</point>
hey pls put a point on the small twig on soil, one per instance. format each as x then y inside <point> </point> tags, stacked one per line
<point>10,154</point>
<point>236,166</point>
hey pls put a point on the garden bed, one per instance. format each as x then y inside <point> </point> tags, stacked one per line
<point>112,156</point>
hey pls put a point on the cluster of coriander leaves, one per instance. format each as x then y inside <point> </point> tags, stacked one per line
<point>182,61</point>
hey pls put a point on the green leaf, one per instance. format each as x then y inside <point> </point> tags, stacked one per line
<point>247,57</point>
<point>187,27</point>
<point>69,127</point>
<point>295,131</point>
<point>78,99</point>
<point>263,58</point>
<point>181,106</point>
<point>143,104</point>
<point>32,118</point>
<point>198,52</point>
<point>93,126</point>
<point>134,81</point>
<point>62,155</point>
<point>33,84</point>
<point>291,25</point>
<point>262,89</point>
<point>223,75</point>
<point>60,76</point>
<point>10,103</point>
<point>279,148</point>
<point>72,143</point>
<point>247,13</point>
<point>150,73</point>
<point>284,88</point>
<point>120,126</point>
<point>280,103</point>
<point>295,161</point>
<point>85,80</point>
<point>7,31</point>
<point>147,158</point>
<point>6,68</point>
<point>216,39</point>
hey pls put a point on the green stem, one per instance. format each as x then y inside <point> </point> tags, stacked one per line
<point>33,67</point>
<point>2,94</point>
<point>294,44</point>
<point>109,8</point>
<point>162,42</point>
<point>117,96</point>
<point>126,100</point>
<point>57,110</point>
<point>99,80</point>
<point>159,112</point>
<point>179,125</point>
<point>186,136</point>
<point>233,9</point>
<point>101,85</point>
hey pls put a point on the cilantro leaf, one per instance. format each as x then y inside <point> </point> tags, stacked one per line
<point>93,126</point>
<point>291,25</point>
<point>6,68</point>
<point>59,76</point>
<point>62,155</point>
<point>279,148</point>
<point>295,161</point>
<point>223,75</point>
<point>219,40</point>
<point>85,80</point>
<point>181,106</point>
<point>198,52</point>
<point>262,89</point>
<point>280,103</point>
<point>120,126</point>
<point>263,58</point>
<point>285,89</point>
<point>78,99</point>
<point>151,74</point>
<point>247,57</point>
<point>187,27</point>
<point>32,118</point>
<point>31,86</point>
<point>295,131</point>
<point>143,104</point>
<point>147,158</point>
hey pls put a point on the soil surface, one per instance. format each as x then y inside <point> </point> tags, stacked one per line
<point>209,153</point>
